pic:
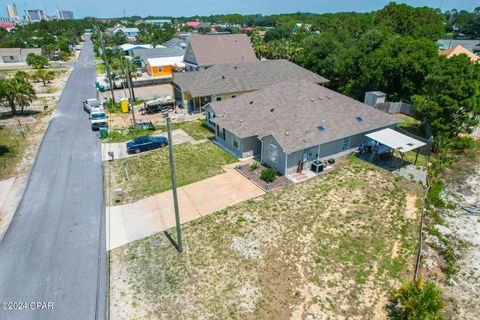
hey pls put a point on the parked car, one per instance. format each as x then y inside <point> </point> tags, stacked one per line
<point>145,143</point>
<point>90,104</point>
<point>98,120</point>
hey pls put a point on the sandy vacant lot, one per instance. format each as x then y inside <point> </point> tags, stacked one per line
<point>329,248</point>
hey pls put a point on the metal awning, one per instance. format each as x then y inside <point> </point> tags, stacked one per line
<point>396,140</point>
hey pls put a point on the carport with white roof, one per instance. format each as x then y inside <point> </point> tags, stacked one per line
<point>396,141</point>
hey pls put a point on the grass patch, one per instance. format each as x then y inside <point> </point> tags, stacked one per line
<point>315,246</point>
<point>149,173</point>
<point>196,129</point>
<point>100,67</point>
<point>411,125</point>
<point>11,152</point>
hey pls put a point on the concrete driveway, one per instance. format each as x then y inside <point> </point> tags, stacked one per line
<point>120,149</point>
<point>134,221</point>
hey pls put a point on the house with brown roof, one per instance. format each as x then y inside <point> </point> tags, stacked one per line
<point>17,55</point>
<point>293,122</point>
<point>458,49</point>
<point>193,90</point>
<point>204,51</point>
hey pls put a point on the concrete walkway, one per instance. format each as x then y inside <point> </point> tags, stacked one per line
<point>120,149</point>
<point>11,191</point>
<point>134,221</point>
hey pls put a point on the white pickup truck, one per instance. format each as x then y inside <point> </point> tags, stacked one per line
<point>98,120</point>
<point>90,105</point>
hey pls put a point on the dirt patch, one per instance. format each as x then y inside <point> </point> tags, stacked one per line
<point>411,209</point>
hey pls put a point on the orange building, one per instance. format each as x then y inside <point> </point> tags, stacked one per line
<point>164,67</point>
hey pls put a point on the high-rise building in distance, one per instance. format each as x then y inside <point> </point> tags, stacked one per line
<point>35,15</point>
<point>65,15</point>
<point>12,11</point>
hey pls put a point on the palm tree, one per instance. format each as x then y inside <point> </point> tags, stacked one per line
<point>417,300</point>
<point>44,76</point>
<point>125,69</point>
<point>16,92</point>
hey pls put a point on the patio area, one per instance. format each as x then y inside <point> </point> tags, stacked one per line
<point>389,150</point>
<point>399,166</point>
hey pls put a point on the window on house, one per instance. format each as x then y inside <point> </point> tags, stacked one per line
<point>223,133</point>
<point>159,69</point>
<point>218,98</point>
<point>235,142</point>
<point>346,143</point>
<point>273,151</point>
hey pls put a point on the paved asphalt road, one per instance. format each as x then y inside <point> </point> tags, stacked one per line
<point>54,251</point>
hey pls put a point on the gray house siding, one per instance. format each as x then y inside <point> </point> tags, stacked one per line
<point>279,164</point>
<point>251,147</point>
<point>332,149</point>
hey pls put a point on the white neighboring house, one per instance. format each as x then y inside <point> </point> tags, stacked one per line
<point>128,48</point>
<point>17,55</point>
<point>131,33</point>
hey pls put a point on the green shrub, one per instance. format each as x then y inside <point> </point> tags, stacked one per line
<point>269,175</point>
<point>461,143</point>
<point>254,165</point>
<point>434,195</point>
<point>417,300</point>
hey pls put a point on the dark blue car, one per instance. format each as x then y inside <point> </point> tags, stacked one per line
<point>145,143</point>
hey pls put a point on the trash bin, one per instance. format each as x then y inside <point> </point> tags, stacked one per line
<point>103,132</point>
<point>124,105</point>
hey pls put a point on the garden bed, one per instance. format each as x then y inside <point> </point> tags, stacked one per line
<point>254,175</point>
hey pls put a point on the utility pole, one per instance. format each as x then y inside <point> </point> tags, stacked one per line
<point>132,96</point>
<point>107,67</point>
<point>174,184</point>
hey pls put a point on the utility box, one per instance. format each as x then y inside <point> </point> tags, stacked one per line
<point>372,98</point>
<point>124,105</point>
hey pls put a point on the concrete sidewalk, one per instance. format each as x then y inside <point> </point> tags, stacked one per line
<point>120,149</point>
<point>11,191</point>
<point>134,221</point>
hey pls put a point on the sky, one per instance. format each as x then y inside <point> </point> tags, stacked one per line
<point>114,8</point>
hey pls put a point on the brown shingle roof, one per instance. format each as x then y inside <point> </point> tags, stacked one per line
<point>242,77</point>
<point>225,48</point>
<point>293,110</point>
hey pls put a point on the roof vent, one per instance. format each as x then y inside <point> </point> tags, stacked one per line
<point>223,77</point>
<point>235,67</point>
<point>329,97</point>
<point>287,133</point>
<point>251,102</point>
<point>273,109</point>
<point>312,100</point>
<point>359,118</point>
<point>321,128</point>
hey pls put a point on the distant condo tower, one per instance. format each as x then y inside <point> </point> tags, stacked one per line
<point>65,15</point>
